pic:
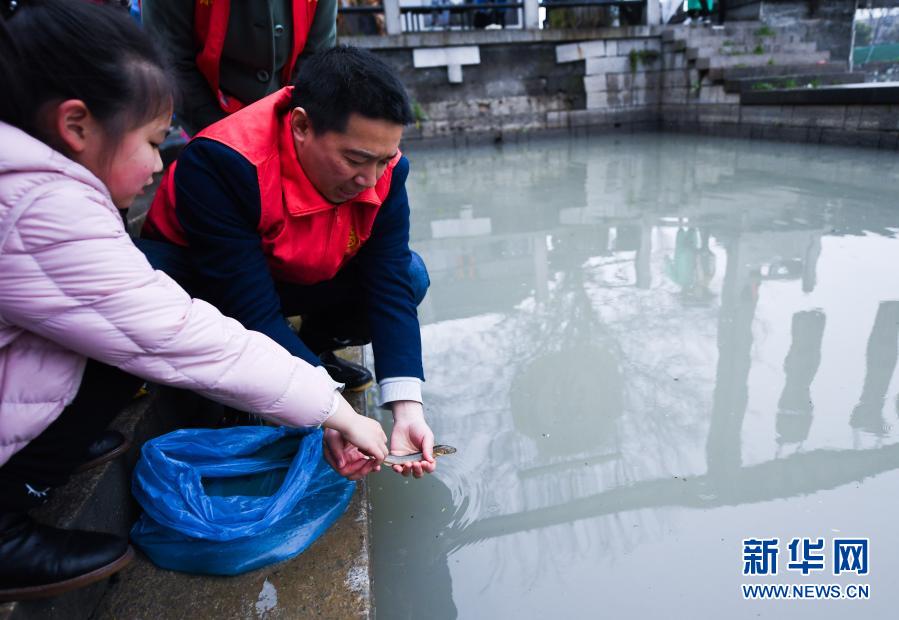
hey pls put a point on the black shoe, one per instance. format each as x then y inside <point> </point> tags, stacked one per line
<point>107,446</point>
<point>355,377</point>
<point>350,341</point>
<point>319,341</point>
<point>41,561</point>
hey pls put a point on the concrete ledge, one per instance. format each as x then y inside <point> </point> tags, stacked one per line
<point>776,124</point>
<point>329,580</point>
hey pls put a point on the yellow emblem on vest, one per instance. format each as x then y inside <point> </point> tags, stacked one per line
<point>206,2</point>
<point>352,242</point>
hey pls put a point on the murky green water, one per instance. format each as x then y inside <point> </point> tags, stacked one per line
<point>648,349</point>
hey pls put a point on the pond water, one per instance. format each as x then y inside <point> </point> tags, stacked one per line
<point>662,358</point>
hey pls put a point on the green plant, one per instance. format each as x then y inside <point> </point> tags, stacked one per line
<point>759,49</point>
<point>763,86</point>
<point>790,83</point>
<point>765,31</point>
<point>770,62</point>
<point>643,57</point>
<point>815,83</point>
<point>419,114</point>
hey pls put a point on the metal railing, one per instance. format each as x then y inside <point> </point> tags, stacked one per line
<point>566,4</point>
<point>466,16</point>
<point>462,16</point>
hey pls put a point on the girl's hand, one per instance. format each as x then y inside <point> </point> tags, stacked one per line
<point>345,458</point>
<point>364,433</point>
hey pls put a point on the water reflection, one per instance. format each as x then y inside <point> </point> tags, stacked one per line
<point>794,409</point>
<point>880,358</point>
<point>645,349</point>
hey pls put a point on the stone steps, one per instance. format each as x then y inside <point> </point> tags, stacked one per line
<point>757,33</point>
<point>745,50</point>
<point>732,73</point>
<point>760,60</point>
<point>723,64</point>
<point>729,30</point>
<point>781,38</point>
<point>796,80</point>
<point>744,41</point>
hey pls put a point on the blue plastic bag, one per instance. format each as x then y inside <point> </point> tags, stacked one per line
<point>226,501</point>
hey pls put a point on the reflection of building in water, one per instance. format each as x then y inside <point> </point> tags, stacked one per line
<point>794,409</point>
<point>661,375</point>
<point>880,359</point>
<point>466,225</point>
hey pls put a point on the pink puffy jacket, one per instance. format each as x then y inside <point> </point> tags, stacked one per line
<point>73,286</point>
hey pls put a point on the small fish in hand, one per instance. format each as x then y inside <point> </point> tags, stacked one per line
<point>439,450</point>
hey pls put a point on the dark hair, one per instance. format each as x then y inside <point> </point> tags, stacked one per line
<point>53,50</point>
<point>343,80</point>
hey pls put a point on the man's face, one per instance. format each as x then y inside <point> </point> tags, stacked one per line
<point>342,164</point>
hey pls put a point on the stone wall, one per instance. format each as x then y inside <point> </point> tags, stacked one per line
<point>490,85</point>
<point>505,85</point>
<point>513,88</point>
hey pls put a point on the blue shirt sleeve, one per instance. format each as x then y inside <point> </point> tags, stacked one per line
<point>384,265</point>
<point>218,206</point>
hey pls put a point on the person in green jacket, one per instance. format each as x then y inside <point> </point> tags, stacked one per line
<point>701,8</point>
<point>229,54</point>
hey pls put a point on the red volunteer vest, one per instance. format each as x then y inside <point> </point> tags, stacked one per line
<point>305,238</point>
<point>211,28</point>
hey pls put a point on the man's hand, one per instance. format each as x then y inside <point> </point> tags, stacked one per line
<point>345,458</point>
<point>412,434</point>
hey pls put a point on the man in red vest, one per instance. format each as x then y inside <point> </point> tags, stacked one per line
<point>230,54</point>
<point>297,204</point>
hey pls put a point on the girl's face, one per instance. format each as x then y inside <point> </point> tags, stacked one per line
<point>126,169</point>
<point>130,169</point>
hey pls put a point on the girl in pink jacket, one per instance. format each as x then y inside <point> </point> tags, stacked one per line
<point>84,318</point>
